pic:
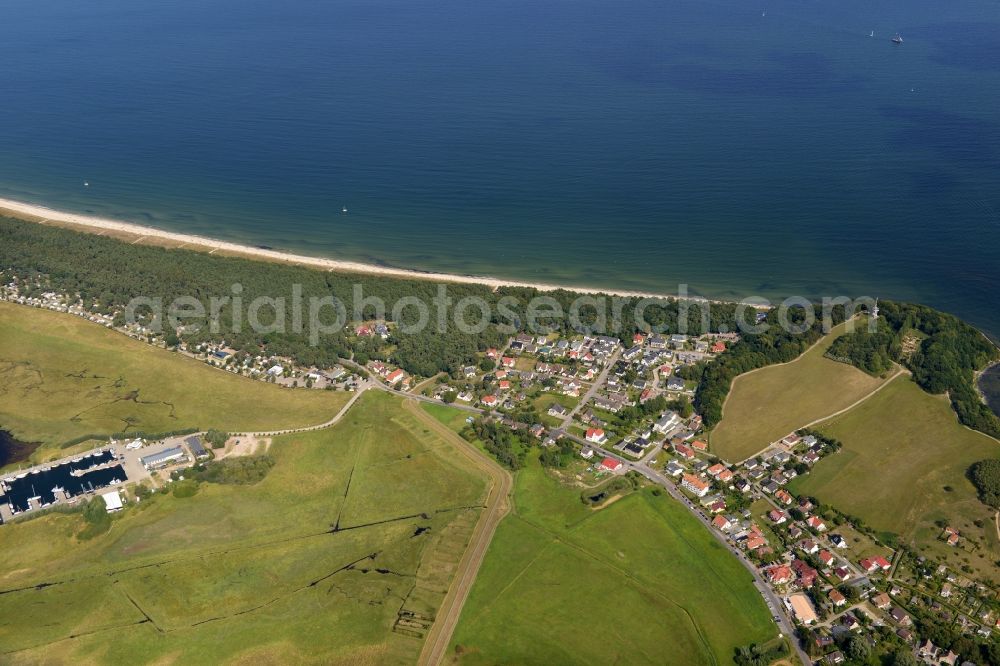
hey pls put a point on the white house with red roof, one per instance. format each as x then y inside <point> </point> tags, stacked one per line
<point>596,435</point>
<point>696,485</point>
<point>779,574</point>
<point>816,523</point>
<point>609,464</point>
<point>490,400</point>
<point>722,523</point>
<point>873,564</point>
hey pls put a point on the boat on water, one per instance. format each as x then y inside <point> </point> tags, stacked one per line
<point>897,39</point>
<point>873,34</point>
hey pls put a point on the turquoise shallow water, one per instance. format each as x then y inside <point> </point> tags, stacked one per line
<point>631,145</point>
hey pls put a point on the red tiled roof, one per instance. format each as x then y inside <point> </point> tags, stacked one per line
<point>610,464</point>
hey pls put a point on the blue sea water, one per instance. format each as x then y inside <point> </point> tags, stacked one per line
<point>768,148</point>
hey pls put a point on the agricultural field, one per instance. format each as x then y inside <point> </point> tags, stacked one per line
<point>342,554</point>
<point>542,592</point>
<point>903,468</point>
<point>62,377</point>
<point>767,404</point>
<point>642,550</point>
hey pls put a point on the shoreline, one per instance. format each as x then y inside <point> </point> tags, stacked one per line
<point>987,399</point>
<point>137,233</point>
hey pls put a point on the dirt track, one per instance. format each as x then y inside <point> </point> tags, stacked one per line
<point>497,506</point>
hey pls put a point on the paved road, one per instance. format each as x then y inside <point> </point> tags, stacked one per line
<point>772,600</point>
<point>592,391</point>
<point>823,540</point>
<point>437,641</point>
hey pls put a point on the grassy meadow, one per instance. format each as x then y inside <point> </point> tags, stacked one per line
<point>903,467</point>
<point>62,377</point>
<point>342,554</point>
<point>637,581</point>
<point>767,404</point>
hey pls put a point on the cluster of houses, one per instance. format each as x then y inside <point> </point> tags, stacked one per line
<point>810,565</point>
<point>50,300</point>
<point>394,377</point>
<point>564,367</point>
<point>274,369</point>
<point>379,329</point>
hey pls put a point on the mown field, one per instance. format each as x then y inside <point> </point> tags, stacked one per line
<point>342,554</point>
<point>62,377</point>
<point>638,581</point>
<point>903,467</point>
<point>767,404</point>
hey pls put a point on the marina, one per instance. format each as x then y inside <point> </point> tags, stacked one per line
<point>48,484</point>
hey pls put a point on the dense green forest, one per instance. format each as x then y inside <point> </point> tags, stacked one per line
<point>949,354</point>
<point>986,477</point>
<point>108,274</point>
<point>874,352</point>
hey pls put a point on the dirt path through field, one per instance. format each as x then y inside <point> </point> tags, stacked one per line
<point>900,371</point>
<point>498,505</point>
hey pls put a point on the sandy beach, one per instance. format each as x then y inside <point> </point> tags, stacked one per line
<point>136,233</point>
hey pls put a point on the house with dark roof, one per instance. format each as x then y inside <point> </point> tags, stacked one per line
<point>196,448</point>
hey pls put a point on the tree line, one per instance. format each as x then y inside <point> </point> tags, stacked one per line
<point>949,354</point>
<point>107,274</point>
